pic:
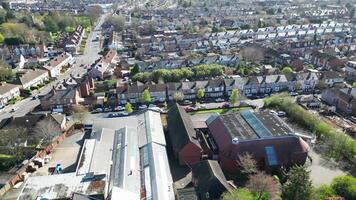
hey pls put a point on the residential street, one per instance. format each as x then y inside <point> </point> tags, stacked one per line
<point>89,56</point>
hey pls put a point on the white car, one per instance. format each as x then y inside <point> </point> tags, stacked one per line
<point>119,108</point>
<point>142,107</point>
<point>14,109</point>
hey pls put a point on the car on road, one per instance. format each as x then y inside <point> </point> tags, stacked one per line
<point>97,110</point>
<point>219,100</point>
<point>189,109</point>
<point>142,107</point>
<point>226,105</point>
<point>119,108</point>
<point>14,109</point>
<point>35,97</point>
<point>201,106</point>
<point>186,102</point>
<point>119,114</point>
<point>293,94</point>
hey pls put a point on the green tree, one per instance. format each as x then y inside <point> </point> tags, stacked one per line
<point>2,38</point>
<point>50,24</point>
<point>118,22</point>
<point>234,96</point>
<point>345,186</point>
<point>354,84</point>
<point>2,16</point>
<point>146,97</point>
<point>298,184</point>
<point>128,108</point>
<point>238,194</point>
<point>323,192</point>
<point>150,26</point>
<point>134,70</point>
<point>287,70</point>
<point>6,73</point>
<point>200,93</point>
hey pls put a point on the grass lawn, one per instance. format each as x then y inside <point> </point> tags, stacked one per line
<point>218,110</point>
<point>5,156</point>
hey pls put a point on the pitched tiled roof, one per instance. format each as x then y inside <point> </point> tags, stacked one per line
<point>6,87</point>
<point>210,178</point>
<point>181,128</point>
<point>30,75</point>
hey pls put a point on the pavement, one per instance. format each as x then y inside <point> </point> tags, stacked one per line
<point>90,54</point>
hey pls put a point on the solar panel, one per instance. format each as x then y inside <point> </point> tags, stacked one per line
<point>255,123</point>
<point>272,160</point>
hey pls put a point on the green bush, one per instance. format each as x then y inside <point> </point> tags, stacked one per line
<point>345,186</point>
<point>340,146</point>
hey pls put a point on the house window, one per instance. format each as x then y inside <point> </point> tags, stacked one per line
<point>247,91</point>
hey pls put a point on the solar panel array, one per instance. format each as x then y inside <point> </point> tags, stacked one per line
<point>255,124</point>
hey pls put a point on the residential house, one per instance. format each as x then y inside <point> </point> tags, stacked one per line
<point>30,78</point>
<point>68,93</point>
<point>215,88</point>
<point>183,137</point>
<point>7,92</point>
<point>343,99</point>
<point>351,68</point>
<point>54,66</point>
<point>330,78</point>
<point>103,67</point>
<point>304,82</point>
<point>257,85</point>
<point>73,41</point>
<point>325,61</point>
<point>133,93</point>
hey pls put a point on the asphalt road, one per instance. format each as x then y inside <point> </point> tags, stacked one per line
<point>88,57</point>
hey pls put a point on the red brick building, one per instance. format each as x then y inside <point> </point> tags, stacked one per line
<point>261,134</point>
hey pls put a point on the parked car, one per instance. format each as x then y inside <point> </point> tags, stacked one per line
<point>142,107</point>
<point>97,110</point>
<point>107,109</point>
<point>119,108</point>
<point>226,105</point>
<point>187,102</point>
<point>219,100</point>
<point>201,106</point>
<point>189,109</point>
<point>293,94</point>
<point>281,114</point>
<point>14,109</point>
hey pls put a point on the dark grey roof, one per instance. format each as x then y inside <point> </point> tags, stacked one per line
<point>181,128</point>
<point>210,179</point>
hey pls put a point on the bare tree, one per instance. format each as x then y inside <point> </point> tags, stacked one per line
<point>178,96</point>
<point>247,164</point>
<point>263,186</point>
<point>252,54</point>
<point>13,136</point>
<point>47,129</point>
<point>80,113</point>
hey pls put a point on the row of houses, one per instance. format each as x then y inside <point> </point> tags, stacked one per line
<point>67,93</point>
<point>222,87</point>
<point>25,79</point>
<point>73,41</point>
